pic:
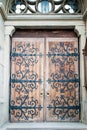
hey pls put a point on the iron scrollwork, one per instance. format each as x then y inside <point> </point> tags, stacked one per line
<point>64,80</point>
<point>62,108</point>
<point>24,81</point>
<point>25,109</point>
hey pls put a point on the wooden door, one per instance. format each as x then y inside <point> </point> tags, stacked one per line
<point>44,79</point>
<point>26,101</point>
<point>62,76</point>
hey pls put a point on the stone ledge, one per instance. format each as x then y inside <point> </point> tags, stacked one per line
<point>46,129</point>
<point>46,126</point>
<point>44,17</point>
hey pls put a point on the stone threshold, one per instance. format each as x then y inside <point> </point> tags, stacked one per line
<point>44,126</point>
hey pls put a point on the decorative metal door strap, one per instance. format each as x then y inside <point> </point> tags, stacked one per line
<point>34,89</point>
<point>24,104</point>
<point>63,80</point>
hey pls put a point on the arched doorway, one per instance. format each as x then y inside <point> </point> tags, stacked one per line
<point>44,76</point>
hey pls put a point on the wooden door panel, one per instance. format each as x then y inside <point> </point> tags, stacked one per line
<point>62,87</point>
<point>44,79</point>
<point>26,101</point>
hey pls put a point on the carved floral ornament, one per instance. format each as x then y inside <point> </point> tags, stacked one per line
<point>44,6</point>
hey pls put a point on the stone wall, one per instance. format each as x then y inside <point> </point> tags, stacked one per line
<point>1,69</point>
<point>84,89</point>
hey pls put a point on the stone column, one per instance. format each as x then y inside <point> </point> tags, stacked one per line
<point>86,27</point>
<point>1,64</point>
<point>83,92</point>
<point>9,30</point>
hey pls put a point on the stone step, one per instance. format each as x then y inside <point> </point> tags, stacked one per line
<point>44,126</point>
<point>45,129</point>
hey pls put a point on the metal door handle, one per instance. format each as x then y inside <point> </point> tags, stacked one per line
<point>47,94</point>
<point>41,94</point>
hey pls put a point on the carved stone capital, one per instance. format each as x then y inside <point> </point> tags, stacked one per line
<point>9,30</point>
<point>80,30</point>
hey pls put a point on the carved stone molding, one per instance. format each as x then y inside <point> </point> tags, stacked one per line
<point>85,14</point>
<point>80,30</point>
<point>2,11</point>
<point>85,64</point>
<point>9,30</point>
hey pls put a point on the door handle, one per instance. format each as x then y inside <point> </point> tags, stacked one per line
<point>41,94</point>
<point>48,94</point>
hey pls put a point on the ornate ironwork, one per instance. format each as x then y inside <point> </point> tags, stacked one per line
<point>25,109</point>
<point>64,80</point>
<point>63,107</point>
<point>24,81</point>
<point>44,6</point>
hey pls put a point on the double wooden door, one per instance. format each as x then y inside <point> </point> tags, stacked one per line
<point>44,83</point>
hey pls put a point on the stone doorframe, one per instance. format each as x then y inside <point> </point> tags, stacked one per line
<point>10,28</point>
